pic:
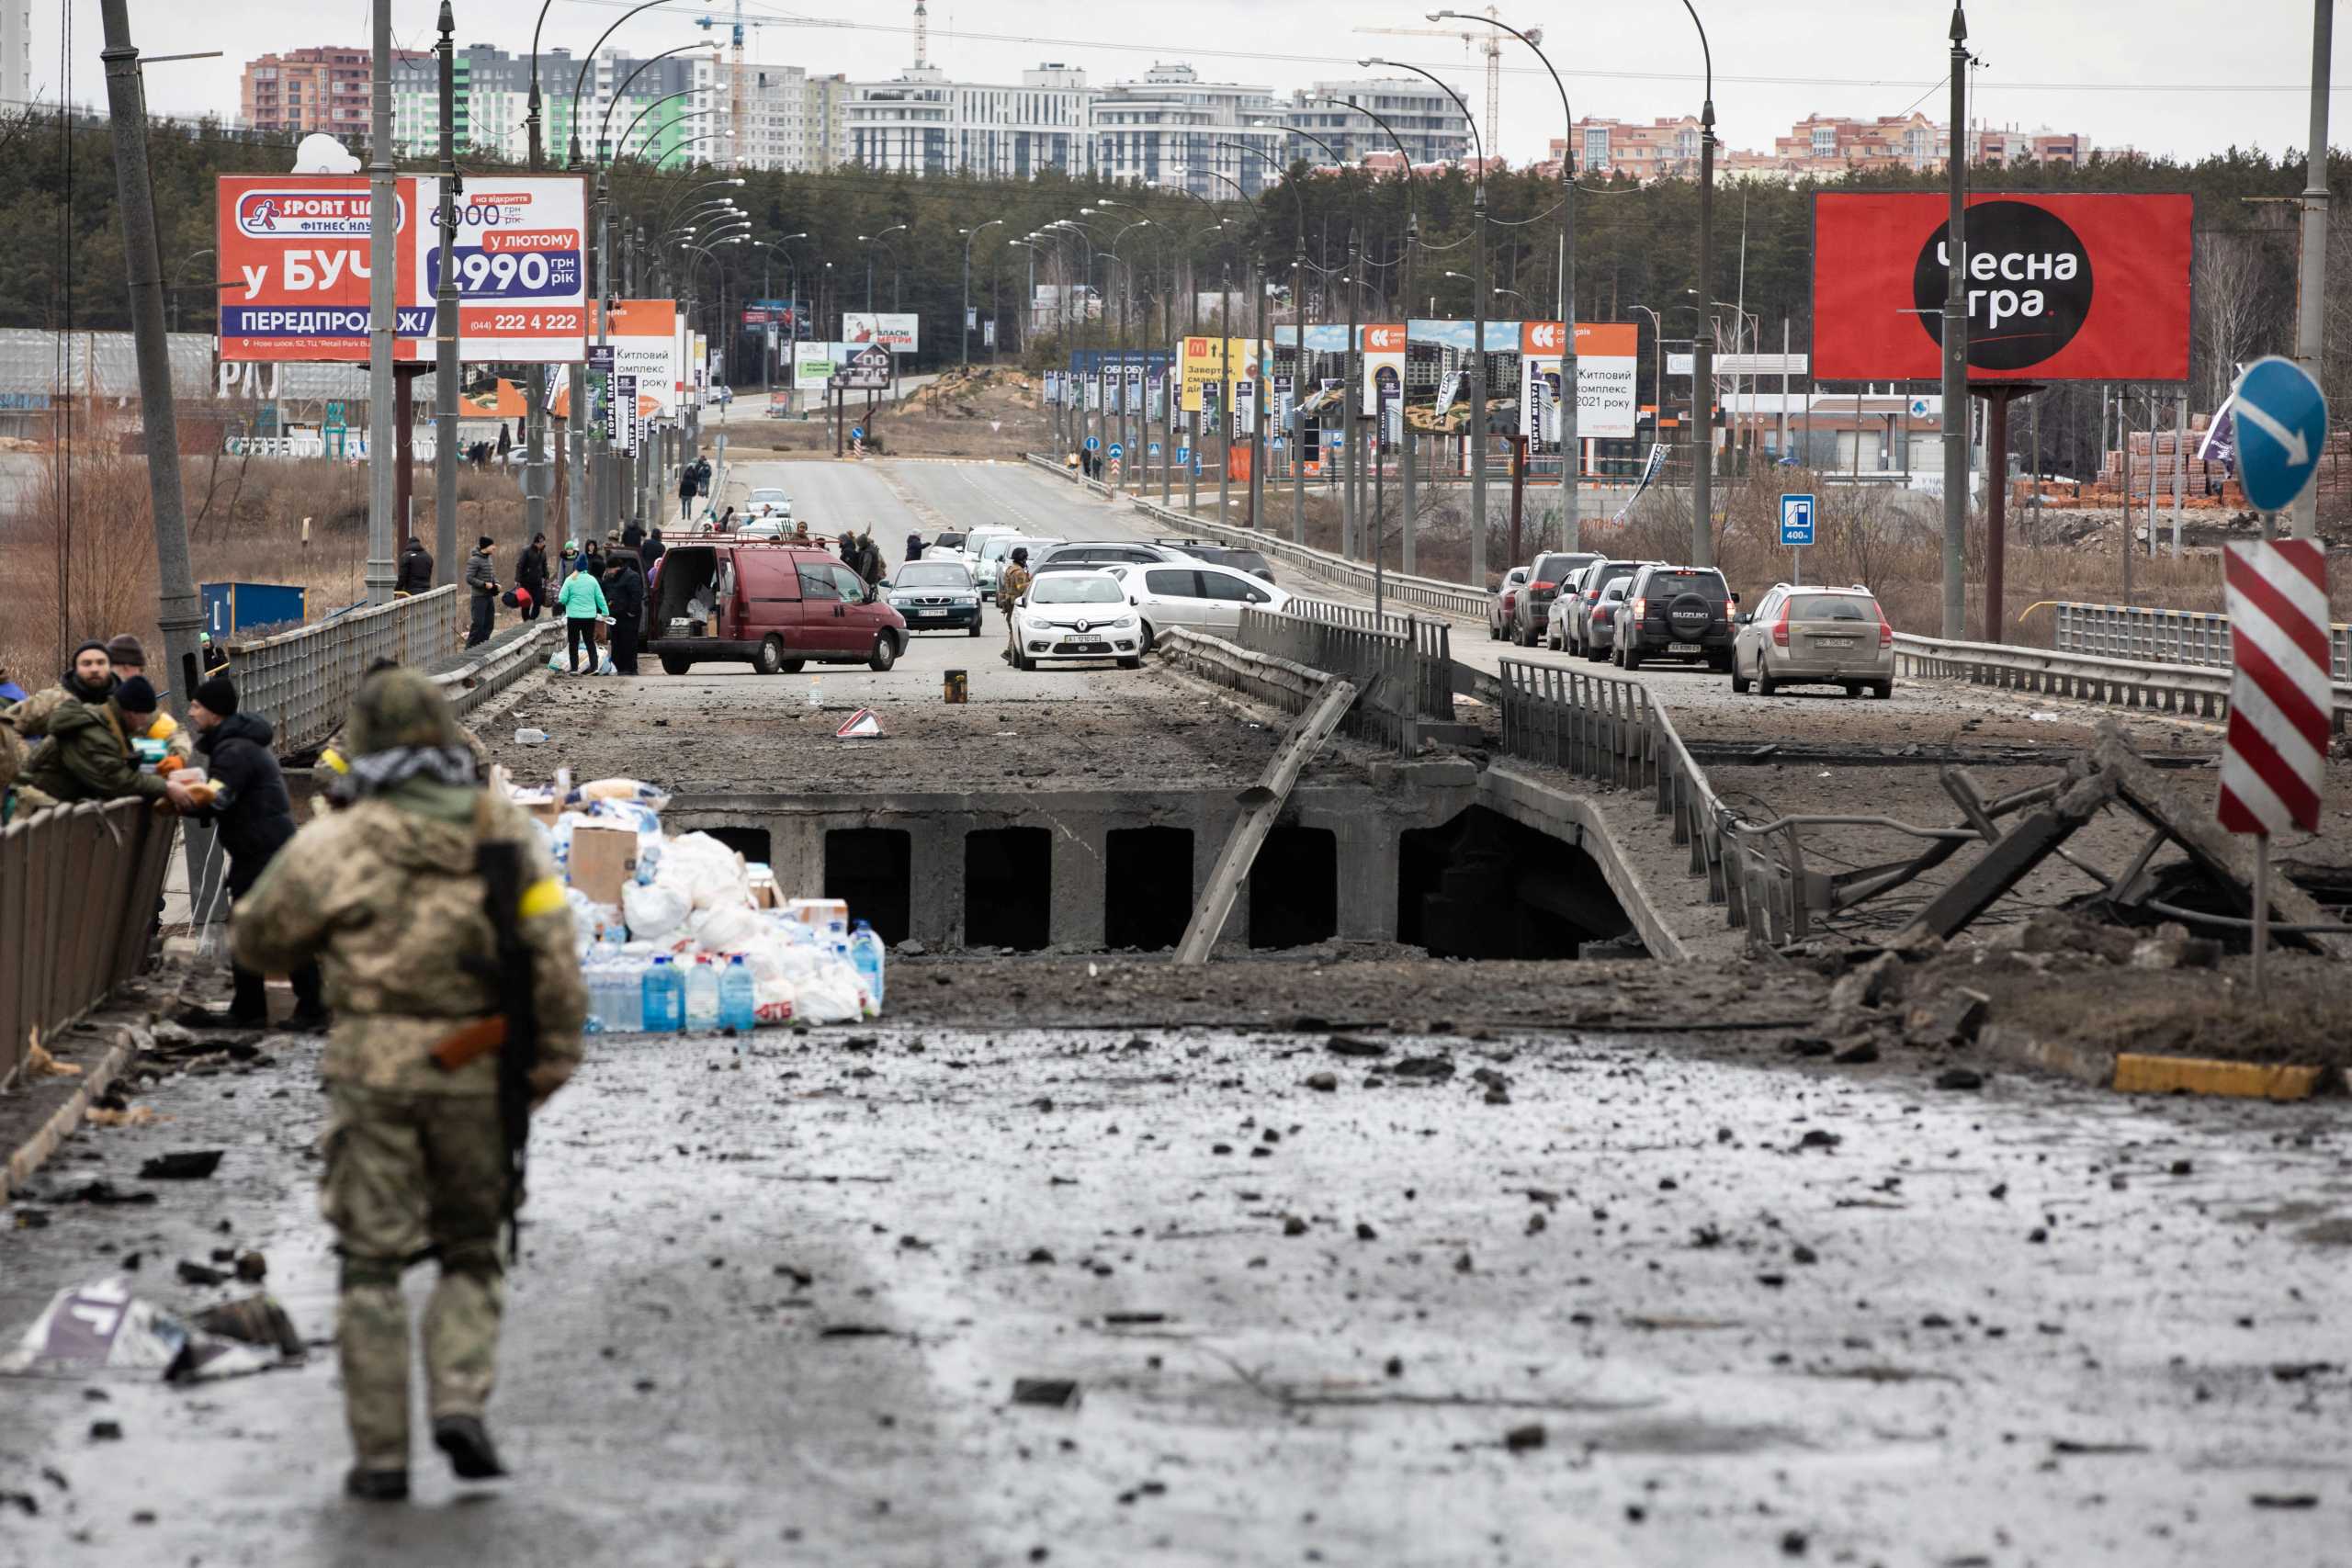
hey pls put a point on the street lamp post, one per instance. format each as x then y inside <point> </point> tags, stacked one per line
<point>1955,364</point>
<point>969,235</point>
<point>1126,287</point>
<point>1571,446</point>
<point>1477,331</point>
<point>1703,352</point>
<point>1406,435</point>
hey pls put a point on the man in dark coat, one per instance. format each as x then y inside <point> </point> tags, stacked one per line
<point>416,568</point>
<point>914,546</point>
<point>531,573</point>
<point>652,550</point>
<point>255,818</point>
<point>685,493</point>
<point>482,583</point>
<point>625,593</point>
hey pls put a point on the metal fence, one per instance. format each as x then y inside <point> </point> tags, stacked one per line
<point>2168,636</point>
<point>303,681</point>
<point>78,891</point>
<point>1432,669</point>
<point>1409,661</point>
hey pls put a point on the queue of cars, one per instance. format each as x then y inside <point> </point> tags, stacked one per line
<point>1631,613</point>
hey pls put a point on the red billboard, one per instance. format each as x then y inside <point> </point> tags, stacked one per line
<point>2059,287</point>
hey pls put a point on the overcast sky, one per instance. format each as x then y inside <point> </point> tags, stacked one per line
<point>2182,77</point>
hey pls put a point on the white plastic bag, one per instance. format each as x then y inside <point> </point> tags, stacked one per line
<point>731,929</point>
<point>635,790</point>
<point>709,869</point>
<point>656,912</point>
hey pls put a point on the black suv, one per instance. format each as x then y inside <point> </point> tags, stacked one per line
<point>1547,576</point>
<point>1675,612</point>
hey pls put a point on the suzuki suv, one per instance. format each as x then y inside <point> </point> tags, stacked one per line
<point>1675,612</point>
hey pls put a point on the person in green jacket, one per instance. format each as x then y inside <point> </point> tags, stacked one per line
<point>583,598</point>
<point>88,754</point>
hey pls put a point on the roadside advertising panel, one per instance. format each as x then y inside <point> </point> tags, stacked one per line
<point>294,248</point>
<point>812,365</point>
<point>297,247</point>
<point>700,359</point>
<point>2059,287</point>
<point>899,333</point>
<point>1384,349</point>
<point>1607,353</point>
<point>643,338</point>
<point>1206,359</point>
<point>522,272</point>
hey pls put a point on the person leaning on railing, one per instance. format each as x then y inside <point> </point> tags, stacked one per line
<point>89,754</point>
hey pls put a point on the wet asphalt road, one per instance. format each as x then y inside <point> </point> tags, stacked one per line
<point>772,1308</point>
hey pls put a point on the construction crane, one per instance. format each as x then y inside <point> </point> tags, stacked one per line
<point>1489,41</point>
<point>734,143</point>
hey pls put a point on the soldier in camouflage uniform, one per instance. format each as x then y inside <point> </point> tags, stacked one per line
<point>384,896</point>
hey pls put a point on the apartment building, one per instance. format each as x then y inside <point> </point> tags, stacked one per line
<point>322,89</point>
<point>1822,147</point>
<point>1169,128</point>
<point>1425,117</point>
<point>921,122</point>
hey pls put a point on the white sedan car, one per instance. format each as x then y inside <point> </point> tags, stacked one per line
<point>1195,595</point>
<point>768,503</point>
<point>1075,615</point>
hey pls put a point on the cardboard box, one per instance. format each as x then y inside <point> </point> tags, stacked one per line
<point>765,894</point>
<point>604,860</point>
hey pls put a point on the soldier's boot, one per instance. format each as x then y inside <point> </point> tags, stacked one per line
<point>371,1332</point>
<point>462,1354</point>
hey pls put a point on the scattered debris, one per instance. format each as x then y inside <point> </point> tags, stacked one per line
<point>1060,1393</point>
<point>1960,1079</point>
<point>1349,1045</point>
<point>104,1193</point>
<point>102,1325</point>
<point>185,1164</point>
<point>1519,1439</point>
<point>200,1274</point>
<point>40,1063</point>
<point>133,1116</point>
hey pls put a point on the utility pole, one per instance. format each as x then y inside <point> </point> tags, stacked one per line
<point>383,312</point>
<point>179,614</point>
<point>1955,347</point>
<point>444,315</point>
<point>1350,369</point>
<point>1703,350</point>
<point>1478,385</point>
<point>1404,435</point>
<point>535,475</point>
<point>1261,397</point>
<point>2310,285</point>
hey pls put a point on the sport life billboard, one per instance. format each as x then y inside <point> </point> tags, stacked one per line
<point>896,332</point>
<point>2058,287</point>
<point>294,250</point>
<point>643,337</point>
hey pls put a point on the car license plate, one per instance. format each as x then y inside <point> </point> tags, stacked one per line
<point>1835,641</point>
<point>1681,648</point>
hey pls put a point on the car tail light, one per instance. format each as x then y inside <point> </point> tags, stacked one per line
<point>1641,609</point>
<point>1591,594</point>
<point>1781,627</point>
<point>1886,632</point>
<point>1542,587</point>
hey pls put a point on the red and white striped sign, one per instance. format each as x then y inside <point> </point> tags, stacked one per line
<point>2272,766</point>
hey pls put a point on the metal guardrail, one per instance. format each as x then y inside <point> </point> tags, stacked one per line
<point>1424,593</point>
<point>2168,636</point>
<point>78,891</point>
<point>1434,687</point>
<point>303,681</point>
<point>2164,688</point>
<point>1610,728</point>
<point>1412,666</point>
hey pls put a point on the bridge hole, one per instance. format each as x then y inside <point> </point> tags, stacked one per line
<point>872,869</point>
<point>1146,887</point>
<point>1294,888</point>
<point>1009,887</point>
<point>1482,886</point>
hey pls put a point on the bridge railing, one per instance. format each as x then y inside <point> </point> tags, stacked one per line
<point>78,891</point>
<point>2168,636</point>
<point>1403,670</point>
<point>303,681</point>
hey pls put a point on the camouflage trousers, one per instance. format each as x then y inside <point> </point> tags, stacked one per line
<point>408,1176</point>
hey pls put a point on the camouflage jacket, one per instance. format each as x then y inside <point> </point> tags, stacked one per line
<point>87,756</point>
<point>385,898</point>
<point>32,715</point>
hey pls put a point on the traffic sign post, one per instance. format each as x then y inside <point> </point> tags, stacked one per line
<point>2274,757</point>
<point>1117,451</point>
<point>2281,420</point>
<point>1796,530</point>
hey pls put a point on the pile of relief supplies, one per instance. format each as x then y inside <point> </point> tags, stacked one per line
<point>678,933</point>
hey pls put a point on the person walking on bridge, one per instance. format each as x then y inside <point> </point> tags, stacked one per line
<point>416,568</point>
<point>454,1018</point>
<point>481,582</point>
<point>583,598</point>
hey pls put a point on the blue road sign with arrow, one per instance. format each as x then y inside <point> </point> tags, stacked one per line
<point>2281,418</point>
<point>857,433</point>
<point>1117,451</point>
<point>1094,444</point>
<point>1796,521</point>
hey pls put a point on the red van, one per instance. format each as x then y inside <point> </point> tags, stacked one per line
<point>773,606</point>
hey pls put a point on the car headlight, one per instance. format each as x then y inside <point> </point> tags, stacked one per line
<point>1123,623</point>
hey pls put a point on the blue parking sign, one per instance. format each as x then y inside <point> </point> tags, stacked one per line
<point>1183,454</point>
<point>1796,521</point>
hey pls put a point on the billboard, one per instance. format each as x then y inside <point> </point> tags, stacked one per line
<point>1608,356</point>
<point>1205,360</point>
<point>896,332</point>
<point>2059,287</point>
<point>642,339</point>
<point>812,365</point>
<point>295,247</point>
